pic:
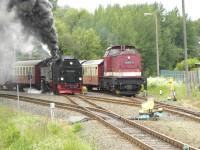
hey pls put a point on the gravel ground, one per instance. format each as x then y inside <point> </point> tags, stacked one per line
<point>182,129</point>
<point>39,110</point>
<point>92,130</point>
<point>104,138</point>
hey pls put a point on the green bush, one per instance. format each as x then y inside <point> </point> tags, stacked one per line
<point>54,129</point>
<point>191,64</point>
<point>23,132</point>
<point>10,135</point>
<point>76,127</point>
<point>159,83</point>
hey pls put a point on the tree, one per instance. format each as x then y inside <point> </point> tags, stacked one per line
<point>86,44</point>
<point>86,35</point>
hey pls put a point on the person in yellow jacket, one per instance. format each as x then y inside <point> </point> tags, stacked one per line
<point>84,90</point>
<point>172,94</point>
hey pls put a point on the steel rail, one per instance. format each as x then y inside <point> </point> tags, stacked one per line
<point>141,127</point>
<point>137,102</point>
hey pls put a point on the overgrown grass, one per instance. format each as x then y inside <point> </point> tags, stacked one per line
<point>157,84</point>
<point>24,132</point>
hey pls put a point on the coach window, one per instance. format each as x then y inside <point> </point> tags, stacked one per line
<point>32,70</point>
<point>15,70</point>
<point>25,70</point>
<point>92,71</point>
<point>96,71</point>
<point>85,70</point>
<point>18,71</point>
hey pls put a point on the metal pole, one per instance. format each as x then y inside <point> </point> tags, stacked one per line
<point>30,85</point>
<point>185,48</point>
<point>18,105</point>
<point>157,50</point>
<point>52,107</point>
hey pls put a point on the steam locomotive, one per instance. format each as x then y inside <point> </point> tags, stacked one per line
<point>63,76</point>
<point>119,71</point>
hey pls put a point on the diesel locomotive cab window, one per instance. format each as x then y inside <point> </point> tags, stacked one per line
<point>130,50</point>
<point>114,52</point>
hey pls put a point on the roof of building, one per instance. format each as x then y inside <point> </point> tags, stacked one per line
<point>93,62</point>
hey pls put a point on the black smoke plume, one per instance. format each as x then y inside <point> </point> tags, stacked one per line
<point>37,19</point>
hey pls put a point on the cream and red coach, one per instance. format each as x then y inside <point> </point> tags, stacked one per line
<point>120,71</point>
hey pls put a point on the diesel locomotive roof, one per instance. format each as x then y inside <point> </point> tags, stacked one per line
<point>27,63</point>
<point>93,62</point>
<point>120,47</point>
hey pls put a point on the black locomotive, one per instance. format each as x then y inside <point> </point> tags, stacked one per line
<point>63,76</point>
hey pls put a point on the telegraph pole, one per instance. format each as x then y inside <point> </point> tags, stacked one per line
<point>185,49</point>
<point>157,50</point>
<point>155,14</point>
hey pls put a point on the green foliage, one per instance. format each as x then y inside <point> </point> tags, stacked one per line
<point>76,127</point>
<point>191,64</point>
<point>157,84</point>
<point>54,129</point>
<point>86,43</point>
<point>10,135</point>
<point>23,132</point>
<point>86,35</point>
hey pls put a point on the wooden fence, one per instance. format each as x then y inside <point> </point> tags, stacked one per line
<point>179,76</point>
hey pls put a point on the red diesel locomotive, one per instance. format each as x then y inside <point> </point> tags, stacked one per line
<point>119,72</point>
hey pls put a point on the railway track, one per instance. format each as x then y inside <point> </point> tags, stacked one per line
<point>195,116</point>
<point>135,133</point>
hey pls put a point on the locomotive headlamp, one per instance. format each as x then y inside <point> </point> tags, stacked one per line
<point>62,79</point>
<point>80,78</point>
<point>129,57</point>
<point>71,63</point>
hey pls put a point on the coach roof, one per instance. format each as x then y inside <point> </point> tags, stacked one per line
<point>27,63</point>
<point>93,62</point>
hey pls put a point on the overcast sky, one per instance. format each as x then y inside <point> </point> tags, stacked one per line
<point>192,6</point>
